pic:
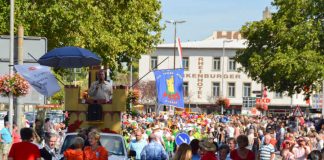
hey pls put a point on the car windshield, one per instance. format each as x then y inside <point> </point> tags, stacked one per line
<point>30,117</point>
<point>114,144</point>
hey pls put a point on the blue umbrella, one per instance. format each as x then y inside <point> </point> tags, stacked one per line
<point>69,57</point>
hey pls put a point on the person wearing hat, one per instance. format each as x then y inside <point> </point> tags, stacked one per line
<point>301,150</point>
<point>158,134</point>
<point>207,150</point>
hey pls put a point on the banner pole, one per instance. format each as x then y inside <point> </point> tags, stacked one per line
<point>148,73</point>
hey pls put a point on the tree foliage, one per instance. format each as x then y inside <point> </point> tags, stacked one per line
<point>286,52</point>
<point>117,30</point>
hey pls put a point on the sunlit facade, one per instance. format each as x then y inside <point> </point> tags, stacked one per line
<point>211,72</point>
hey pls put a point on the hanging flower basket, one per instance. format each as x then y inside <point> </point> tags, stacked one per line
<point>133,96</point>
<point>223,102</point>
<point>14,84</point>
<point>261,107</point>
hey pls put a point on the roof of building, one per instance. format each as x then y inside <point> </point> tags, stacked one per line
<point>216,43</point>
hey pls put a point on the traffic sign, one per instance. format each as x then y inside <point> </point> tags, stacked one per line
<point>297,112</point>
<point>182,138</point>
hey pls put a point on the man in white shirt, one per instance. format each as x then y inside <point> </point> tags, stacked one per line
<point>230,131</point>
<point>138,144</point>
<point>101,89</point>
<point>267,151</point>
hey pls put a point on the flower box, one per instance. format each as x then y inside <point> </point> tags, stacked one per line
<point>14,84</point>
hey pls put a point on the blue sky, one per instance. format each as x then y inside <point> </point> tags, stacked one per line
<point>205,16</point>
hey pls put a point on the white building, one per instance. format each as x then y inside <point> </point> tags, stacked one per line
<point>210,72</point>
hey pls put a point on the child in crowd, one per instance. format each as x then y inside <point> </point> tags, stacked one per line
<point>75,151</point>
<point>169,145</point>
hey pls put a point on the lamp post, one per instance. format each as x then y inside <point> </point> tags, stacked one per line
<point>131,80</point>
<point>223,66</point>
<point>174,22</point>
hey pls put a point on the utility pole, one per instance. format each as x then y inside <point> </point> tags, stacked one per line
<point>223,66</point>
<point>19,106</point>
<point>11,60</point>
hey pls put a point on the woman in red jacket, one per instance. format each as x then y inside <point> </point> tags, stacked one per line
<point>75,152</point>
<point>95,151</point>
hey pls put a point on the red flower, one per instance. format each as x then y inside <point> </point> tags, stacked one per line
<point>223,102</point>
<point>14,84</point>
<point>74,126</point>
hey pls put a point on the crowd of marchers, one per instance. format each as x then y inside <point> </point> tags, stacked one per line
<point>153,136</point>
<point>219,137</point>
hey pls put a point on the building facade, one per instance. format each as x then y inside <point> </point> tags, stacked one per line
<point>211,72</point>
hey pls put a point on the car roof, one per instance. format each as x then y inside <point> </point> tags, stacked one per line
<point>108,134</point>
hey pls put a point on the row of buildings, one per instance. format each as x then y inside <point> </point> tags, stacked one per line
<point>211,72</point>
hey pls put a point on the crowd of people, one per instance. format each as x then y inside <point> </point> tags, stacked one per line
<point>236,137</point>
<point>40,141</point>
<point>152,136</point>
<point>43,142</point>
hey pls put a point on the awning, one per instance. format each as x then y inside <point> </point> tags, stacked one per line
<point>49,106</point>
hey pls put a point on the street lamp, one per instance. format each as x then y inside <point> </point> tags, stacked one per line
<point>223,66</point>
<point>131,79</point>
<point>174,22</point>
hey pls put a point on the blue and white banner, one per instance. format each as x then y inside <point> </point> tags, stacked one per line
<point>169,87</point>
<point>40,77</point>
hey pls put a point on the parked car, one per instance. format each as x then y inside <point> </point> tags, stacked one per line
<point>114,143</point>
<point>30,117</point>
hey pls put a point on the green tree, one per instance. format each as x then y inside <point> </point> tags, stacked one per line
<point>285,52</point>
<point>117,30</point>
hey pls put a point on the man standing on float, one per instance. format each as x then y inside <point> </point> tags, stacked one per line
<point>101,89</point>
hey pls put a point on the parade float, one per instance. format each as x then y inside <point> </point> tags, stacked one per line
<point>84,112</point>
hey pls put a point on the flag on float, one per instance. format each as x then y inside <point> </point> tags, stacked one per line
<point>40,77</point>
<point>169,87</point>
<point>179,51</point>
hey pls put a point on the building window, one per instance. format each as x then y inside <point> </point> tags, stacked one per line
<point>231,90</point>
<point>216,89</point>
<point>246,89</point>
<point>278,95</point>
<point>185,89</point>
<point>248,102</point>
<point>185,63</point>
<point>231,64</point>
<point>216,63</point>
<point>154,61</point>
